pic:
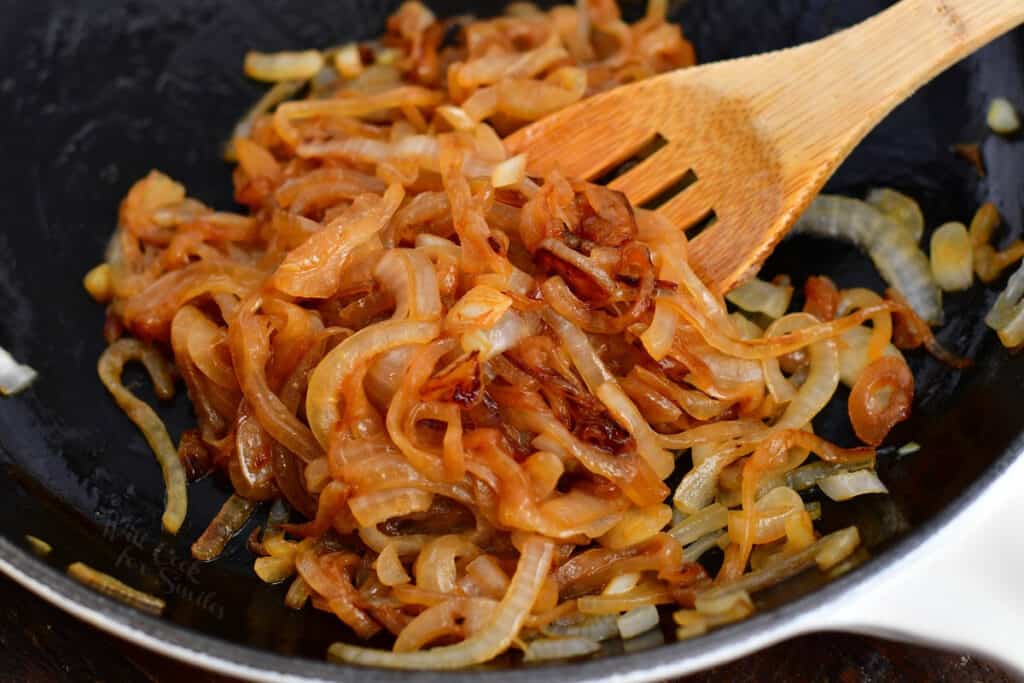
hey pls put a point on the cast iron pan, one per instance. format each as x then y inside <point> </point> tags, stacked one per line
<point>94,94</point>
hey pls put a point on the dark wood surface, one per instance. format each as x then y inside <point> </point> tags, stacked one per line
<point>40,644</point>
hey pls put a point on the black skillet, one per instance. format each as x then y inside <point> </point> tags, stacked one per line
<point>94,94</point>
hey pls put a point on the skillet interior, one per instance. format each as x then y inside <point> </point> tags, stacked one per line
<point>94,94</point>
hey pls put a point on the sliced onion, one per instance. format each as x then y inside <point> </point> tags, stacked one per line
<point>645,594</point>
<point>659,335</point>
<point>325,382</point>
<point>273,97</point>
<point>229,521</point>
<point>847,485</point>
<point>853,353</point>
<point>623,583</point>
<point>112,588</point>
<point>807,476</point>
<point>637,621</point>
<point>380,506</point>
<point>510,329</point>
<point>283,66</point>
<point>819,387</point>
<point>98,283</point>
<point>38,545</point>
<point>637,525</point>
<point>1007,315</point>
<point>410,276</point>
<point>899,207</point>
<point>544,649</point>
<point>314,269</point>
<point>348,62</point>
<point>508,618</point>
<point>895,253</point>
<point>457,117</point>
<point>880,399</point>
<point>14,376</point>
<point>509,172</point>
<point>479,308</point>
<point>629,418</point>
<point>777,572</point>
<point>835,547</point>
<point>276,568</point>
<point>110,366</point>
<point>389,567</point>
<point>597,628</point>
<point>952,257</point>
<point>703,522</point>
<point>758,296</point>
<point>696,550</point>
<point>298,594</point>
<point>1002,118</point>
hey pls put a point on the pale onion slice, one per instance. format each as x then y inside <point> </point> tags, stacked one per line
<point>713,518</point>
<point>14,376</point>
<point>952,257</point>
<point>348,62</point>
<point>112,588</point>
<point>899,207</point>
<point>853,353</point>
<point>509,172</point>
<point>544,649</point>
<point>298,594</point>
<point>637,621</point>
<point>274,67</point>
<point>658,337</point>
<point>598,628</point>
<point>389,567</point>
<point>758,296</point>
<point>1007,315</point>
<point>847,485</point>
<point>493,639</point>
<point>275,569</point>
<point>99,284</point>
<point>696,550</point>
<point>807,476</point>
<point>1002,117</point>
<point>835,547</point>
<point>893,250</point>
<point>623,583</point>
<point>457,117</point>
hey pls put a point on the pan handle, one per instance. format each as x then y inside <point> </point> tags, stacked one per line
<point>962,589</point>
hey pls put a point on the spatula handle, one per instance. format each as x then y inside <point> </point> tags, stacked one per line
<point>837,89</point>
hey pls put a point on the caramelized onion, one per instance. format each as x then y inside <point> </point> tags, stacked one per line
<point>880,399</point>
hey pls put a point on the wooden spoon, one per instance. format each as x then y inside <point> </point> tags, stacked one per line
<point>762,134</point>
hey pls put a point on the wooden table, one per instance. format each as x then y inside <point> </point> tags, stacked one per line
<point>41,644</point>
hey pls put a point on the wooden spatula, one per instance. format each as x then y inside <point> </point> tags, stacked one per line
<point>762,134</point>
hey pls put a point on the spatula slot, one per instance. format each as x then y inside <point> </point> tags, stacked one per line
<point>653,144</point>
<point>660,199</point>
<point>701,225</point>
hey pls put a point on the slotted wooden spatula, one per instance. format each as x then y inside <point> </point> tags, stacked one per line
<point>762,134</point>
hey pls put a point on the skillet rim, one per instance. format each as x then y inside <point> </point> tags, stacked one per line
<point>666,661</point>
